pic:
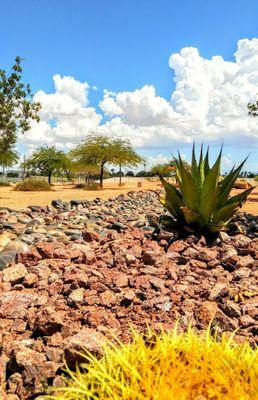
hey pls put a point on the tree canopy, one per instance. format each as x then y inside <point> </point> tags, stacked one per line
<point>47,161</point>
<point>8,157</point>
<point>17,108</point>
<point>102,150</point>
<point>165,169</point>
<point>253,109</point>
<point>125,156</point>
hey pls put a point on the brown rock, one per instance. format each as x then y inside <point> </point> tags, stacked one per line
<point>245,261</point>
<point>30,280</point>
<point>85,340</point>
<point>15,304</point>
<point>120,280</point>
<point>107,298</point>
<point>15,273</point>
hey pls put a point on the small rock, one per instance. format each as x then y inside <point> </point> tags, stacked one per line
<point>18,246</point>
<point>76,296</point>
<point>231,309</point>
<point>85,340</point>
<point>15,273</point>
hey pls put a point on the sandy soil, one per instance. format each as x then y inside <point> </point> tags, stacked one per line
<point>19,200</point>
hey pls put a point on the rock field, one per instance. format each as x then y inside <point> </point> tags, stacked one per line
<point>73,273</point>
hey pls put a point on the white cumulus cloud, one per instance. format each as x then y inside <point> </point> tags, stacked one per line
<point>208,103</point>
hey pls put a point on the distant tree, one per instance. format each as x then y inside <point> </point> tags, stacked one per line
<point>143,174</point>
<point>90,172</point>
<point>129,173</point>
<point>125,156</point>
<point>8,157</point>
<point>253,109</point>
<point>165,170</point>
<point>96,150</point>
<point>17,108</point>
<point>47,161</point>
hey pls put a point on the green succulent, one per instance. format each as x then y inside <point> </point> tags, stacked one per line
<point>203,200</point>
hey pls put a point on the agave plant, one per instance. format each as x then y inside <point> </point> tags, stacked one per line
<point>203,200</point>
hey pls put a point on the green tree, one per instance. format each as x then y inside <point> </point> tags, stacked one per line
<point>253,109</point>
<point>17,108</point>
<point>125,156</point>
<point>8,158</point>
<point>47,161</point>
<point>88,171</point>
<point>96,150</point>
<point>165,169</point>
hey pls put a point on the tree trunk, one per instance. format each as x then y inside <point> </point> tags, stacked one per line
<point>120,175</point>
<point>101,175</point>
<point>49,177</point>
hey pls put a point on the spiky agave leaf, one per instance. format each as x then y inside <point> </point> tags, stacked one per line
<point>202,200</point>
<point>189,190</point>
<point>173,199</point>
<point>195,170</point>
<point>209,194</point>
<point>206,163</point>
<point>226,185</point>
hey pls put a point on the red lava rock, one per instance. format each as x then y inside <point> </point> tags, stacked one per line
<point>48,322</point>
<point>29,259</point>
<point>15,304</point>
<point>178,246</point>
<point>120,280</point>
<point>30,280</point>
<point>245,261</point>
<point>86,339</point>
<point>90,236</point>
<point>107,298</point>
<point>15,273</point>
<point>62,297</point>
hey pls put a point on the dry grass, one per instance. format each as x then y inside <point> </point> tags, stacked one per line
<point>169,366</point>
<point>19,200</point>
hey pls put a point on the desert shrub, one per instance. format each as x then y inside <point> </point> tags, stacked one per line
<point>88,186</point>
<point>166,366</point>
<point>12,174</point>
<point>2,184</point>
<point>202,201</point>
<point>33,185</point>
<point>256,178</point>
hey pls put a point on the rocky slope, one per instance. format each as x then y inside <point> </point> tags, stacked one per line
<point>74,273</point>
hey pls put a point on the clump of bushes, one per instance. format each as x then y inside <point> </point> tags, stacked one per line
<point>166,366</point>
<point>33,185</point>
<point>256,178</point>
<point>3,184</point>
<point>88,186</point>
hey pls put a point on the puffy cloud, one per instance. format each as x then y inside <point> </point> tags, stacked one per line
<point>65,115</point>
<point>208,103</point>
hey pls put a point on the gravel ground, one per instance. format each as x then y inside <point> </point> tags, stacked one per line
<point>74,273</point>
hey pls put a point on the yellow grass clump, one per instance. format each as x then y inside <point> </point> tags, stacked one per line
<point>168,366</point>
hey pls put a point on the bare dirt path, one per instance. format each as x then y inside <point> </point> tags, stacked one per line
<point>19,200</point>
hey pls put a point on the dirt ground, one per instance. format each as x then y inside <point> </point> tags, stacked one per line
<point>19,200</point>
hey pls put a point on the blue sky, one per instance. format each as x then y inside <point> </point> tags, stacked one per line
<point>122,45</point>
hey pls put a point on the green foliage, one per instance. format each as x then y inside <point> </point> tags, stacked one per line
<point>256,178</point>
<point>125,156</point>
<point>47,161</point>
<point>33,185</point>
<point>8,156</point>
<point>3,184</point>
<point>253,109</point>
<point>88,186</point>
<point>164,169</point>
<point>102,150</point>
<point>202,201</point>
<point>17,108</point>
